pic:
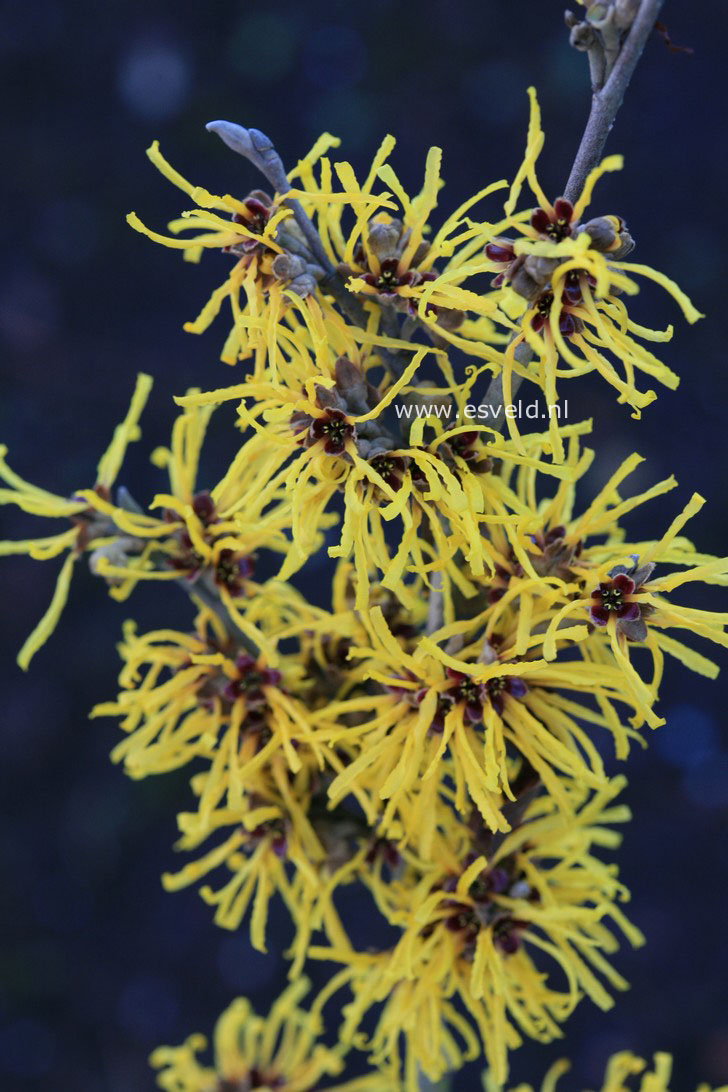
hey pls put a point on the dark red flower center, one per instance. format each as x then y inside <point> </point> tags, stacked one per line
<point>557,224</point>
<point>257,215</point>
<point>388,277</point>
<point>614,597</point>
<point>391,468</point>
<point>232,569</point>
<point>251,681</point>
<point>334,429</point>
<point>204,507</point>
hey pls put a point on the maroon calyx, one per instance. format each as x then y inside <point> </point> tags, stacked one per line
<point>334,428</point>
<point>507,935</point>
<point>497,688</point>
<point>464,445</point>
<point>574,284</point>
<point>233,569</point>
<point>556,225</point>
<point>273,830</point>
<point>259,1079</point>
<point>257,213</point>
<point>568,324</point>
<point>381,849</point>
<point>621,596</point>
<point>187,561</point>
<point>489,882</point>
<point>466,690</point>
<point>251,681</point>
<point>391,468</point>
<point>444,705</point>
<point>614,598</point>
<point>390,277</point>
<point>502,253</point>
<point>204,507</point>
<point>473,696</point>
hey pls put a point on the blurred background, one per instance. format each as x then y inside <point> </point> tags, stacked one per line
<point>97,964</point>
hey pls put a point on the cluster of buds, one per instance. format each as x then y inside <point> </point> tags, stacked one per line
<point>230,569</point>
<point>379,262</point>
<point>294,266</point>
<point>350,395</point>
<point>530,275</point>
<point>601,34</point>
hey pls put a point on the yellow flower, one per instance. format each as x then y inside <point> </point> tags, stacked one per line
<point>439,717</point>
<point>560,284</point>
<point>485,924</point>
<point>620,1071</point>
<point>89,511</point>
<point>279,1053</point>
<point>610,584</point>
<point>210,694</point>
<point>276,838</point>
<point>198,538</point>
<point>206,538</point>
<point>390,256</point>
<point>324,427</point>
<point>259,231</point>
<point>264,746</point>
<point>596,586</point>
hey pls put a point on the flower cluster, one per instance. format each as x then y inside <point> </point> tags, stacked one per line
<point>277,1054</point>
<point>625,1071</point>
<point>431,731</point>
<point>515,928</point>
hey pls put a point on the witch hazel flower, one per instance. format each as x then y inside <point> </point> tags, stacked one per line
<point>619,597</point>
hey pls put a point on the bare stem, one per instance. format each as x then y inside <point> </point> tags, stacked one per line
<point>435,604</point>
<point>607,100</point>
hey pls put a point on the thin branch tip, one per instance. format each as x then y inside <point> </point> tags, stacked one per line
<point>608,97</point>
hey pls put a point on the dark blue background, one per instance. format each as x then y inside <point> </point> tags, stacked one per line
<point>97,964</point>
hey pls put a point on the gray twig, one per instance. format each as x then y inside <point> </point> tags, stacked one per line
<point>206,593</point>
<point>260,151</point>
<point>606,101</point>
<point>494,394</point>
<point>435,604</point>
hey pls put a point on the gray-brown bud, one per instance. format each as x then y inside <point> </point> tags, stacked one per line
<point>383,239</point>
<point>602,233</point>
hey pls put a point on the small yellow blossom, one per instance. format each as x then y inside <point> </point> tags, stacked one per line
<point>278,1053</point>
<point>208,539</point>
<point>439,716</point>
<point>391,257</point>
<point>486,922</point>
<point>560,285</point>
<point>87,511</point>
<point>263,743</point>
<point>260,233</point>
<point>625,1072</point>
<point>602,579</point>
<point>207,694</point>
